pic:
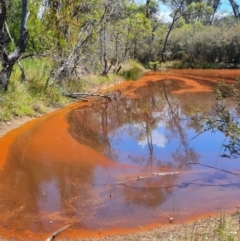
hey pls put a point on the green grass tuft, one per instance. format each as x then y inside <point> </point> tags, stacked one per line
<point>133,73</point>
<point>30,97</point>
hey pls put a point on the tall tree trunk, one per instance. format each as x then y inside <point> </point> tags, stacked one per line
<point>147,8</point>
<point>215,6</point>
<point>175,18</point>
<point>8,60</point>
<point>235,8</point>
<point>69,65</point>
<point>66,69</point>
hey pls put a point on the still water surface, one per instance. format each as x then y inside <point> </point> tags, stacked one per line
<point>125,163</point>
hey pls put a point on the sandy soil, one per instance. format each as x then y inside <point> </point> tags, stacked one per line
<point>13,124</point>
<point>220,227</point>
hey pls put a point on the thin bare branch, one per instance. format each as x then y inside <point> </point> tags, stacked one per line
<point>233,173</point>
<point>58,232</point>
<point>85,95</point>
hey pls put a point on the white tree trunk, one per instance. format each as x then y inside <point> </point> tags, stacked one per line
<point>8,60</point>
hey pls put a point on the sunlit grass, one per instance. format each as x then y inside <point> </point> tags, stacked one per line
<point>132,71</point>
<point>90,83</point>
<point>30,96</point>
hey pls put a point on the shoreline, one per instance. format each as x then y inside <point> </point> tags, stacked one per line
<point>212,227</point>
<point>223,226</point>
<point>219,226</point>
<point>8,126</point>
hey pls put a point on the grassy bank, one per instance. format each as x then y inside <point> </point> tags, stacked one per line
<point>34,93</point>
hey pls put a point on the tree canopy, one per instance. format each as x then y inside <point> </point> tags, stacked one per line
<point>97,36</point>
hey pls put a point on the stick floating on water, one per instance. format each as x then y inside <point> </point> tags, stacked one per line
<point>57,232</point>
<point>166,173</point>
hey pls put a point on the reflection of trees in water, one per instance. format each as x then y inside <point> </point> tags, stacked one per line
<point>95,127</point>
<point>151,191</point>
<point>138,117</point>
<point>224,118</point>
<point>32,181</point>
<point>34,185</point>
<point>188,154</point>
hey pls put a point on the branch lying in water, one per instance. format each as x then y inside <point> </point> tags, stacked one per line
<point>57,232</point>
<point>148,176</point>
<point>233,173</point>
<point>83,96</point>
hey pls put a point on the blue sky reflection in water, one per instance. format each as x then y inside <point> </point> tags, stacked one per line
<point>142,134</point>
<point>133,144</point>
<point>56,171</point>
<point>208,145</point>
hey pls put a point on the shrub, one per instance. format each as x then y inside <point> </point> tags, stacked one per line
<point>133,73</point>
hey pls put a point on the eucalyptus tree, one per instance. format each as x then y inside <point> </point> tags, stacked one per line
<point>123,36</point>
<point>110,36</point>
<point>147,8</point>
<point>199,12</point>
<point>215,6</point>
<point>9,59</point>
<point>178,9</point>
<point>235,8</point>
<point>71,29</point>
<point>191,12</point>
<point>151,8</point>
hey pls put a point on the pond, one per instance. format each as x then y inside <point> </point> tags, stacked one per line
<point>112,166</point>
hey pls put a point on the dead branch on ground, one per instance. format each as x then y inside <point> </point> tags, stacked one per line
<point>83,96</point>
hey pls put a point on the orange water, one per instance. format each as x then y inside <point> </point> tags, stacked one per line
<point>80,165</point>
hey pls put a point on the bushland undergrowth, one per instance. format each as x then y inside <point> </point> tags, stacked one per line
<point>34,93</point>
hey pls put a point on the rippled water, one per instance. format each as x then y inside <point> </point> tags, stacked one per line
<point>124,163</point>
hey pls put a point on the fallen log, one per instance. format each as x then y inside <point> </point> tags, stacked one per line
<point>83,96</point>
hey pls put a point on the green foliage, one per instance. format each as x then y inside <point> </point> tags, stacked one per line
<point>205,65</point>
<point>63,22</point>
<point>226,120</point>
<point>153,65</point>
<point>198,12</point>
<point>224,228</point>
<point>32,96</point>
<point>152,9</point>
<point>118,30</point>
<point>181,65</point>
<point>206,44</point>
<point>14,19</point>
<point>132,74</point>
<point>195,65</point>
<point>180,22</point>
<point>15,103</point>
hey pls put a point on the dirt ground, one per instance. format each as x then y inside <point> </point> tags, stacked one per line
<point>16,122</point>
<point>13,124</point>
<point>220,227</point>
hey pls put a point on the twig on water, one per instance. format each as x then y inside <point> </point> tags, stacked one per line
<point>140,227</point>
<point>148,176</point>
<point>233,173</point>
<point>164,173</point>
<point>57,232</point>
<point>171,219</point>
<point>85,95</point>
